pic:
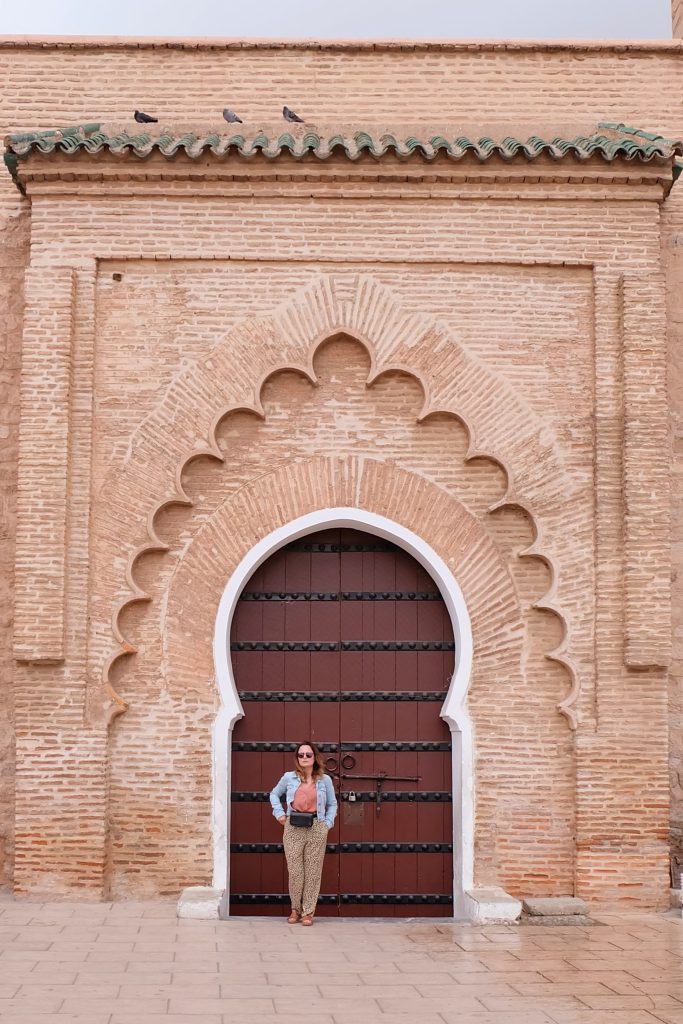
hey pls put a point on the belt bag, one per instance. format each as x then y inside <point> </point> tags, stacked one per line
<point>301,819</point>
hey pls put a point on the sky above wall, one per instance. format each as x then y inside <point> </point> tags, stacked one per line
<point>343,19</point>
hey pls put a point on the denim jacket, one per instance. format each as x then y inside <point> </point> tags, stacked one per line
<point>290,782</point>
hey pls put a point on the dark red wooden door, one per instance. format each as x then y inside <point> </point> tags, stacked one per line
<point>344,639</point>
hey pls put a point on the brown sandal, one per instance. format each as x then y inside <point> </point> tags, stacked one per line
<point>294,917</point>
<point>307,920</point>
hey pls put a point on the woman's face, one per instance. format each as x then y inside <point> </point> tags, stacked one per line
<point>305,757</point>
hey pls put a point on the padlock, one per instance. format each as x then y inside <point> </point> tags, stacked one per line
<point>352,797</point>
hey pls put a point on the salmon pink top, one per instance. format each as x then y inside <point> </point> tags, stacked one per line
<point>305,798</point>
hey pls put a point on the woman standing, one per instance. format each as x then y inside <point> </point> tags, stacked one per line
<point>311,807</point>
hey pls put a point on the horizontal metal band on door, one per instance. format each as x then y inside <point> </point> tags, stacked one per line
<point>350,848</point>
<point>398,798</point>
<point>258,747</point>
<point>277,899</point>
<point>432,796</point>
<point>344,595</point>
<point>332,696</point>
<point>318,646</point>
<point>398,745</point>
<point>280,747</point>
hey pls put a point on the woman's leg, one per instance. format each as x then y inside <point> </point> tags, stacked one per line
<point>314,855</point>
<point>294,841</point>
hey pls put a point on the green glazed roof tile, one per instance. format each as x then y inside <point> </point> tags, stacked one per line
<point>622,143</point>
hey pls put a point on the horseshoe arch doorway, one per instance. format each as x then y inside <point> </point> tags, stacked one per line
<point>342,636</point>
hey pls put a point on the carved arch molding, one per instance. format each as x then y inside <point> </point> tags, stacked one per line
<point>231,377</point>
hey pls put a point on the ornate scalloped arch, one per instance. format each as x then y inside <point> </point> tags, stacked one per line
<point>464,562</point>
<point>230,377</point>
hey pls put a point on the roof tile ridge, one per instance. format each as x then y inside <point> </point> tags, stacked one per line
<point>675,144</point>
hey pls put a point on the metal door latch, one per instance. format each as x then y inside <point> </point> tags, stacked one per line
<point>352,797</point>
<point>379,778</point>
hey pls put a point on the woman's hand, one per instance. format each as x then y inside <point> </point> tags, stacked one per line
<point>283,821</point>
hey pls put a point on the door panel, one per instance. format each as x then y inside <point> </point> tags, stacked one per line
<point>356,594</point>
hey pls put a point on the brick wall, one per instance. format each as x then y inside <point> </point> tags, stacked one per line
<point>13,252</point>
<point>173,681</point>
<point>532,290</point>
<point>677,18</point>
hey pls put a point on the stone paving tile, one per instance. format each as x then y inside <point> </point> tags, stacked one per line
<point>463,1003</point>
<point>135,990</point>
<point>252,1003</point>
<point>299,994</point>
<point>60,962</point>
<point>516,1004</point>
<point>482,991</point>
<point>159,910</point>
<point>351,1002</point>
<point>48,976</point>
<point>655,988</point>
<point>360,954</point>
<point>367,992</point>
<point>628,1002</point>
<point>648,972</point>
<point>32,1017</point>
<point>605,1017</point>
<point>161,978</point>
<point>142,1005</point>
<point>486,1017</point>
<point>381,1018</point>
<point>614,979</point>
<point>35,1004</point>
<point>382,977</point>
<point>569,988</point>
<point>136,966</point>
<point>305,978</point>
<point>95,967</point>
<point>491,977</point>
<point>32,989</point>
<point>164,1018</point>
<point>668,958</point>
<point>293,1018</point>
<point>671,1015</point>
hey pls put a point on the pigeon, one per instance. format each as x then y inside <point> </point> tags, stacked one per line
<point>289,115</point>
<point>144,118</point>
<point>230,116</point>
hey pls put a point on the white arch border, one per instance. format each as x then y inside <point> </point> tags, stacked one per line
<point>454,710</point>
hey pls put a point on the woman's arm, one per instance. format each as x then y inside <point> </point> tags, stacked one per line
<point>330,802</point>
<point>276,794</point>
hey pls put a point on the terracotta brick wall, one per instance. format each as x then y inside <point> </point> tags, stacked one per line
<point>13,252</point>
<point>492,272</point>
<point>562,84</point>
<point>173,681</point>
<point>672,245</point>
<point>677,18</point>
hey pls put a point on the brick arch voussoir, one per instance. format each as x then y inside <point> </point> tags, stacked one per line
<point>231,376</point>
<point>272,501</point>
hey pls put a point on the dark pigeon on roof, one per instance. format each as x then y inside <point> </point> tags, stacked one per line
<point>145,118</point>
<point>289,115</point>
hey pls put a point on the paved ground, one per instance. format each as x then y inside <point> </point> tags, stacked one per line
<point>135,963</point>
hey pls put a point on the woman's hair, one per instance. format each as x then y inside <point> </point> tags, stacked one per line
<point>318,766</point>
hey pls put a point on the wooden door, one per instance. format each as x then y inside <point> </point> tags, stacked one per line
<point>344,639</point>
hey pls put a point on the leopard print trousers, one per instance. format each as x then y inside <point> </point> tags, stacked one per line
<point>305,852</point>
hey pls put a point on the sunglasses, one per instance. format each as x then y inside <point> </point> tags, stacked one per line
<point>309,754</point>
